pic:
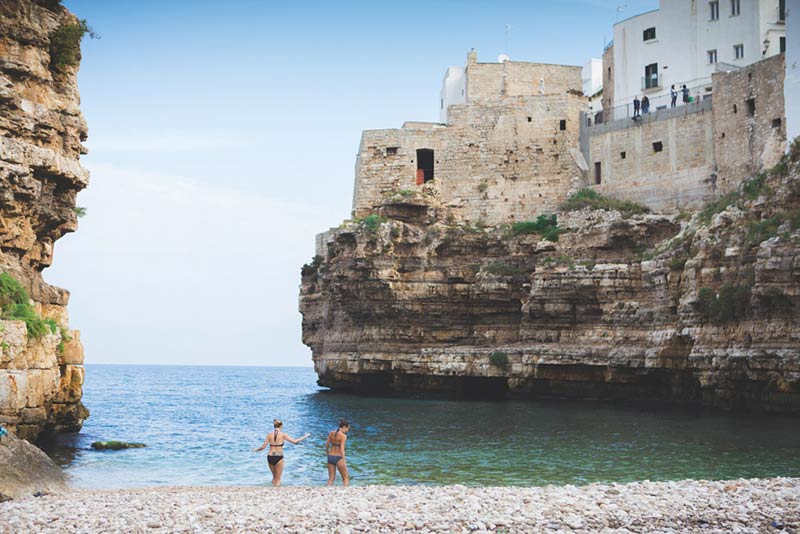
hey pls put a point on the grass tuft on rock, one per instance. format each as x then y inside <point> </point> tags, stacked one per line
<point>589,198</point>
<point>499,359</point>
<point>544,225</point>
<point>732,303</point>
<point>65,45</point>
<point>15,305</point>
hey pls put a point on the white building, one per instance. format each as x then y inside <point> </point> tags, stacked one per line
<point>592,79</point>
<point>684,41</point>
<point>454,90</point>
<point>791,87</point>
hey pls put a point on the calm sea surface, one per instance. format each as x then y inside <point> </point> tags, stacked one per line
<point>200,424</point>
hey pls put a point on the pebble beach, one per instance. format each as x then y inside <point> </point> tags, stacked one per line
<point>754,505</point>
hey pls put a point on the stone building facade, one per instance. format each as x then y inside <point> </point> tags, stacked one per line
<point>684,156</point>
<point>503,155</point>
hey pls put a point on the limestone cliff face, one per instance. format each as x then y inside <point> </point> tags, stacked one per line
<point>703,311</point>
<point>41,129</point>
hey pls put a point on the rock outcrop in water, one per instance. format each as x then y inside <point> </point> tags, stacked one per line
<point>701,309</point>
<point>41,130</point>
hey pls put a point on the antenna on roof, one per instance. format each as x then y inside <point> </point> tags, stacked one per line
<point>620,9</point>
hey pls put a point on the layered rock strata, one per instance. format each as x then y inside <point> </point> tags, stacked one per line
<point>41,130</point>
<point>702,310</point>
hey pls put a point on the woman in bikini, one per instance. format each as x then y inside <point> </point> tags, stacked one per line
<point>275,441</point>
<point>334,448</point>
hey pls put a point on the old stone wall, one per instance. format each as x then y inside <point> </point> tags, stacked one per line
<point>41,130</point>
<point>520,78</point>
<point>608,81</point>
<point>498,160</point>
<point>665,160</point>
<point>749,120</point>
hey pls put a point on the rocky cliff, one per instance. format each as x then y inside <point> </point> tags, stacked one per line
<point>700,308</point>
<point>41,130</point>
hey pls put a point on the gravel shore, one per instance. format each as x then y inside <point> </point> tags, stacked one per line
<point>758,505</point>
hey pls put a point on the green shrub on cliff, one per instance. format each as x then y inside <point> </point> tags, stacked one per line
<point>15,305</point>
<point>371,222</point>
<point>589,198</point>
<point>544,225</point>
<point>311,268</point>
<point>65,44</point>
<point>499,359</point>
<point>730,304</point>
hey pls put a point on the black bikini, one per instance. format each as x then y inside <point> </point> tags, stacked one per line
<point>333,460</point>
<point>274,459</point>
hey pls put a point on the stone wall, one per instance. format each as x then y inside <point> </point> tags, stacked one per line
<point>681,175</point>
<point>41,131</point>
<point>519,78</point>
<point>608,81</point>
<point>749,120</point>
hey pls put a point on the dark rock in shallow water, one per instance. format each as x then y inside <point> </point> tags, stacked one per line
<point>115,445</point>
<point>25,470</point>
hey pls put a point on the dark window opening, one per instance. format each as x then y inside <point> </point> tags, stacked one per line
<point>734,108</point>
<point>723,135</point>
<point>424,165</point>
<point>391,150</point>
<point>609,73</point>
<point>622,155</point>
<point>783,45</point>
<point>658,146</point>
<point>650,76</point>
<point>776,123</point>
<point>562,124</point>
<point>782,10</point>
<point>442,103</point>
<point>751,107</point>
<point>597,172</point>
<point>649,33</point>
<point>530,119</point>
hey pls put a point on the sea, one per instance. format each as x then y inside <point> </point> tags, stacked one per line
<point>200,425</point>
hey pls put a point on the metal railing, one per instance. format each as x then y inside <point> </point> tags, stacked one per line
<point>696,94</point>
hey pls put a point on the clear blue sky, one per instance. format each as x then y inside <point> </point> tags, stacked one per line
<point>222,137</point>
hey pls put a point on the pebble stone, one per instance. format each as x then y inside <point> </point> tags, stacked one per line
<point>756,505</point>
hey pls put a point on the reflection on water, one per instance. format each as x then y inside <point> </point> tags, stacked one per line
<point>200,424</point>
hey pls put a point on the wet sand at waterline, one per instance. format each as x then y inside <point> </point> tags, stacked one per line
<point>755,505</point>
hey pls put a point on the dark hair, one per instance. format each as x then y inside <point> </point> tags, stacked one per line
<point>343,422</point>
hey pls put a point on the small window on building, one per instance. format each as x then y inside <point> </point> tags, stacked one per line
<point>598,171</point>
<point>781,10</point>
<point>622,155</point>
<point>424,165</point>
<point>609,73</point>
<point>649,34</point>
<point>712,56</point>
<point>751,107</point>
<point>650,76</point>
<point>738,51</point>
<point>441,105</point>
<point>783,45</point>
<point>735,109</point>
<point>562,124</point>
<point>658,146</point>
<point>530,119</point>
<point>776,123</point>
<point>713,8</point>
<point>736,8</point>
<point>391,150</point>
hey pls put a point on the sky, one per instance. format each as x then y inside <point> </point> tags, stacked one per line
<point>222,138</point>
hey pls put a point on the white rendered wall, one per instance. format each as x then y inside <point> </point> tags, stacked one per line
<point>684,35</point>
<point>454,88</point>
<point>592,76</point>
<point>791,87</point>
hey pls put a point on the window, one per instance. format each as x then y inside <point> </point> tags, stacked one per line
<point>712,56</point>
<point>658,146</point>
<point>424,165</point>
<point>622,155</point>
<point>597,172</point>
<point>781,10</point>
<point>562,124</point>
<point>442,103</point>
<point>783,45</point>
<point>751,107</point>
<point>738,51</point>
<point>734,108</point>
<point>736,8</point>
<point>649,34</point>
<point>776,123</point>
<point>651,76</point>
<point>714,9</point>
<point>391,150</point>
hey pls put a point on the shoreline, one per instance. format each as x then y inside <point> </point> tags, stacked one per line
<point>742,505</point>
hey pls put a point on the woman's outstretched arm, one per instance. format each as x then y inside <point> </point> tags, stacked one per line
<point>295,441</point>
<point>264,446</point>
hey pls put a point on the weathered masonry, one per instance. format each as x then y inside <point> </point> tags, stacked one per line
<point>504,153</point>
<point>672,158</point>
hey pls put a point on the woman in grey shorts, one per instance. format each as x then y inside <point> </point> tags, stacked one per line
<point>334,448</point>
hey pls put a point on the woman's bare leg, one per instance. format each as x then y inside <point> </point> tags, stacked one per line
<point>331,474</point>
<point>276,481</point>
<point>342,465</point>
<point>272,470</point>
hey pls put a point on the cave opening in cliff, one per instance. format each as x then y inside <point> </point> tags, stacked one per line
<point>484,387</point>
<point>424,165</point>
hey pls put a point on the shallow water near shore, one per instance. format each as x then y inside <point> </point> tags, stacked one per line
<point>201,423</point>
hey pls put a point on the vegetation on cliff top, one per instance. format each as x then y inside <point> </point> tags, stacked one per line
<point>15,305</point>
<point>589,198</point>
<point>65,44</point>
<point>544,225</point>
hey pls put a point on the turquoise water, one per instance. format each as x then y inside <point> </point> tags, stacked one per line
<point>200,424</point>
